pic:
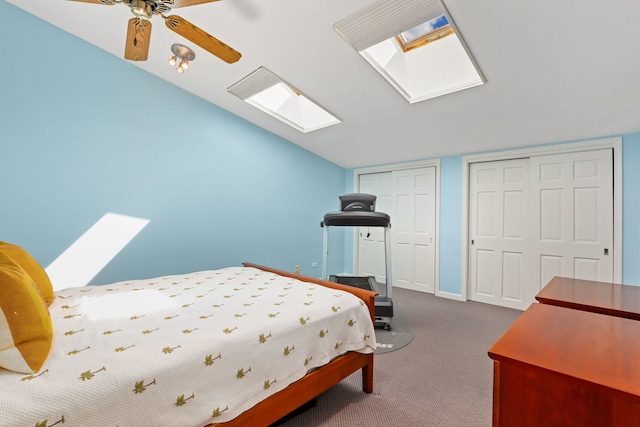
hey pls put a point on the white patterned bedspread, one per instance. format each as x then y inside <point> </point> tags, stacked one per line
<point>185,350</point>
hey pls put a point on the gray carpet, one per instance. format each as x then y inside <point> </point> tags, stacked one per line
<point>442,379</point>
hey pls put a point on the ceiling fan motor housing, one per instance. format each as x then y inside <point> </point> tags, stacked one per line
<point>144,9</point>
<point>141,9</point>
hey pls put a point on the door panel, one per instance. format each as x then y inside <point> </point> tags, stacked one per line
<point>485,213</point>
<point>403,263</point>
<point>550,266</point>
<point>371,239</point>
<point>512,264</point>
<point>413,232</point>
<point>424,266</point>
<point>499,218</point>
<point>586,215</point>
<point>585,269</point>
<point>408,196</point>
<point>484,273</point>
<point>551,205</point>
<point>572,216</point>
<point>513,226</point>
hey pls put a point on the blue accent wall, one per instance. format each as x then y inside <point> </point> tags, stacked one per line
<point>451,224</point>
<point>631,209</point>
<point>88,133</point>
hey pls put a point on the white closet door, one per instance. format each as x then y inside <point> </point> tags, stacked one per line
<point>533,219</point>
<point>499,232</point>
<point>409,198</point>
<point>413,229</point>
<point>573,216</point>
<point>371,258</point>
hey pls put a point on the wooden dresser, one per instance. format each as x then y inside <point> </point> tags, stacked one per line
<point>558,366</point>
<point>600,297</point>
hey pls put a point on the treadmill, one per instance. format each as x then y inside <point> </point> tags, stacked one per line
<point>358,210</point>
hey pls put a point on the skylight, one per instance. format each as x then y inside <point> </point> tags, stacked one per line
<point>424,33</point>
<point>414,45</point>
<point>269,93</point>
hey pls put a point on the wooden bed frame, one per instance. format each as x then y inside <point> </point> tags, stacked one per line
<point>317,381</point>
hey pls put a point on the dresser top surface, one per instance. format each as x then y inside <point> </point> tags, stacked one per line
<point>586,346</point>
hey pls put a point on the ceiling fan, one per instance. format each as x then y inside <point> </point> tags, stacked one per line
<point>139,28</point>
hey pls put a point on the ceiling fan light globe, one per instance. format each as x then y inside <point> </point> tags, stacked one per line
<point>173,60</point>
<point>180,70</point>
<point>184,64</point>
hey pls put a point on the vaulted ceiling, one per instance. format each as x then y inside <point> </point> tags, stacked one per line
<point>555,71</point>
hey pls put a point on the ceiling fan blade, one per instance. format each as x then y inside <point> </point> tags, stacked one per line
<point>206,41</point>
<point>138,38</point>
<point>185,3</point>
<point>104,2</point>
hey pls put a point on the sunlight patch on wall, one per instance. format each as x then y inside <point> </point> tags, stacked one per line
<point>88,255</point>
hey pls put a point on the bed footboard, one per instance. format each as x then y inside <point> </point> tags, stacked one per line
<point>302,391</point>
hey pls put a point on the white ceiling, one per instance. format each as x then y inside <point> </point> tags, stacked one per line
<point>556,71</point>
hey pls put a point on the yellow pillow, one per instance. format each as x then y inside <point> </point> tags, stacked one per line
<point>31,266</point>
<point>26,330</point>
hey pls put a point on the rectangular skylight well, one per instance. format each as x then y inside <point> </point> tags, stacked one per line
<point>414,45</point>
<point>269,93</point>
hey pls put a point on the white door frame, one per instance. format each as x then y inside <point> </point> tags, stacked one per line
<point>397,167</point>
<point>613,143</point>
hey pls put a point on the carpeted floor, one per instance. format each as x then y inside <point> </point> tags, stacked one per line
<point>442,378</point>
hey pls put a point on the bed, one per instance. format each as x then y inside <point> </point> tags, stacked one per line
<point>197,351</point>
